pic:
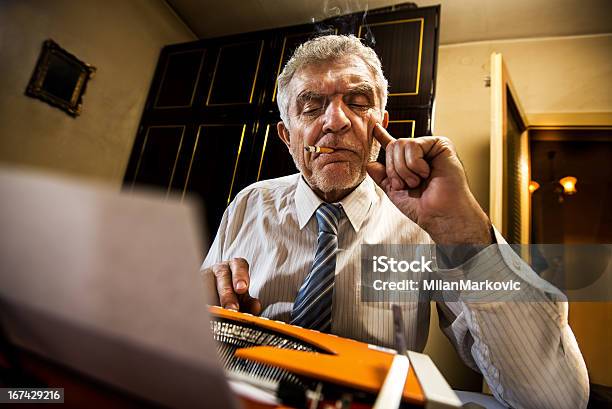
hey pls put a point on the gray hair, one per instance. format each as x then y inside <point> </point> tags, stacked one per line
<point>324,49</point>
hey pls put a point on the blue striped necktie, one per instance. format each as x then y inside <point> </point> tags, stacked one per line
<point>313,305</point>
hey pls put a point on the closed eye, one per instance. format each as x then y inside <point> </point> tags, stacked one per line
<point>314,110</point>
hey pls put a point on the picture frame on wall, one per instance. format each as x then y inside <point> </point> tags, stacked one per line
<point>60,78</point>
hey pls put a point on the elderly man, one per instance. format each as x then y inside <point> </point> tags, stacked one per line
<point>289,248</point>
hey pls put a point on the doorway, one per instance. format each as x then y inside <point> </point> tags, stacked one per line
<point>571,198</point>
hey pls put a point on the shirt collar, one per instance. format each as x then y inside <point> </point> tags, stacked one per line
<point>356,205</point>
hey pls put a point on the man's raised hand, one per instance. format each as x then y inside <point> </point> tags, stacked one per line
<point>425,180</point>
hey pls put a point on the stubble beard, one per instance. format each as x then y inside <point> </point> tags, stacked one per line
<point>328,181</point>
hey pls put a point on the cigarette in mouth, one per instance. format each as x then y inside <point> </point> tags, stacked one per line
<point>317,149</point>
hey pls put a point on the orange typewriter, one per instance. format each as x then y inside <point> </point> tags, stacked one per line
<point>303,368</point>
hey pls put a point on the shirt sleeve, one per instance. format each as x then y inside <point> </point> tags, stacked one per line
<point>216,250</point>
<point>522,344</point>
<point>215,255</point>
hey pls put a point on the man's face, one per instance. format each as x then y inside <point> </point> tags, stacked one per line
<point>333,104</point>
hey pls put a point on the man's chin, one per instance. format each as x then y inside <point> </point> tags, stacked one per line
<point>337,176</point>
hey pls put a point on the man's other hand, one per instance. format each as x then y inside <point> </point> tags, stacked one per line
<point>232,282</point>
<point>425,180</point>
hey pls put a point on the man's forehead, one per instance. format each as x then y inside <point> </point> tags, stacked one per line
<point>326,85</point>
<point>327,77</point>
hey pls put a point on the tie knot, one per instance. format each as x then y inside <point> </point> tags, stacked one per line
<point>328,217</point>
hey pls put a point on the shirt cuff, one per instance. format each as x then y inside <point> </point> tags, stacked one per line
<point>486,265</point>
<point>499,263</point>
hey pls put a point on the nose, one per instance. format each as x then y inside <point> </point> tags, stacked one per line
<point>335,119</point>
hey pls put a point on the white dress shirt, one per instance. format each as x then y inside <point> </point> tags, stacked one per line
<point>525,350</point>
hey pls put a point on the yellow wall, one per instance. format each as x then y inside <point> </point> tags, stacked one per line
<point>591,322</point>
<point>122,39</point>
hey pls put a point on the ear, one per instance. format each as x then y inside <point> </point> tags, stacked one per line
<point>385,121</point>
<point>283,133</point>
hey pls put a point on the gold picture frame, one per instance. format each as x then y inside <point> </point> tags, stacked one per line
<point>60,78</point>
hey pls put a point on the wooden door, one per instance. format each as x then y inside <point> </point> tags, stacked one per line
<point>509,166</point>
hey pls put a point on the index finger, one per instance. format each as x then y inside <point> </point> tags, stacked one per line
<point>382,135</point>
<point>240,274</point>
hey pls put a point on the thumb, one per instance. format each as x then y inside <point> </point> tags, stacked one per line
<point>378,172</point>
<point>249,304</point>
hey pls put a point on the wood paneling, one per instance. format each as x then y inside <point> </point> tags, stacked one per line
<point>213,170</point>
<point>406,42</point>
<point>390,33</point>
<point>158,157</point>
<point>179,79</point>
<point>235,74</point>
<point>274,158</point>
